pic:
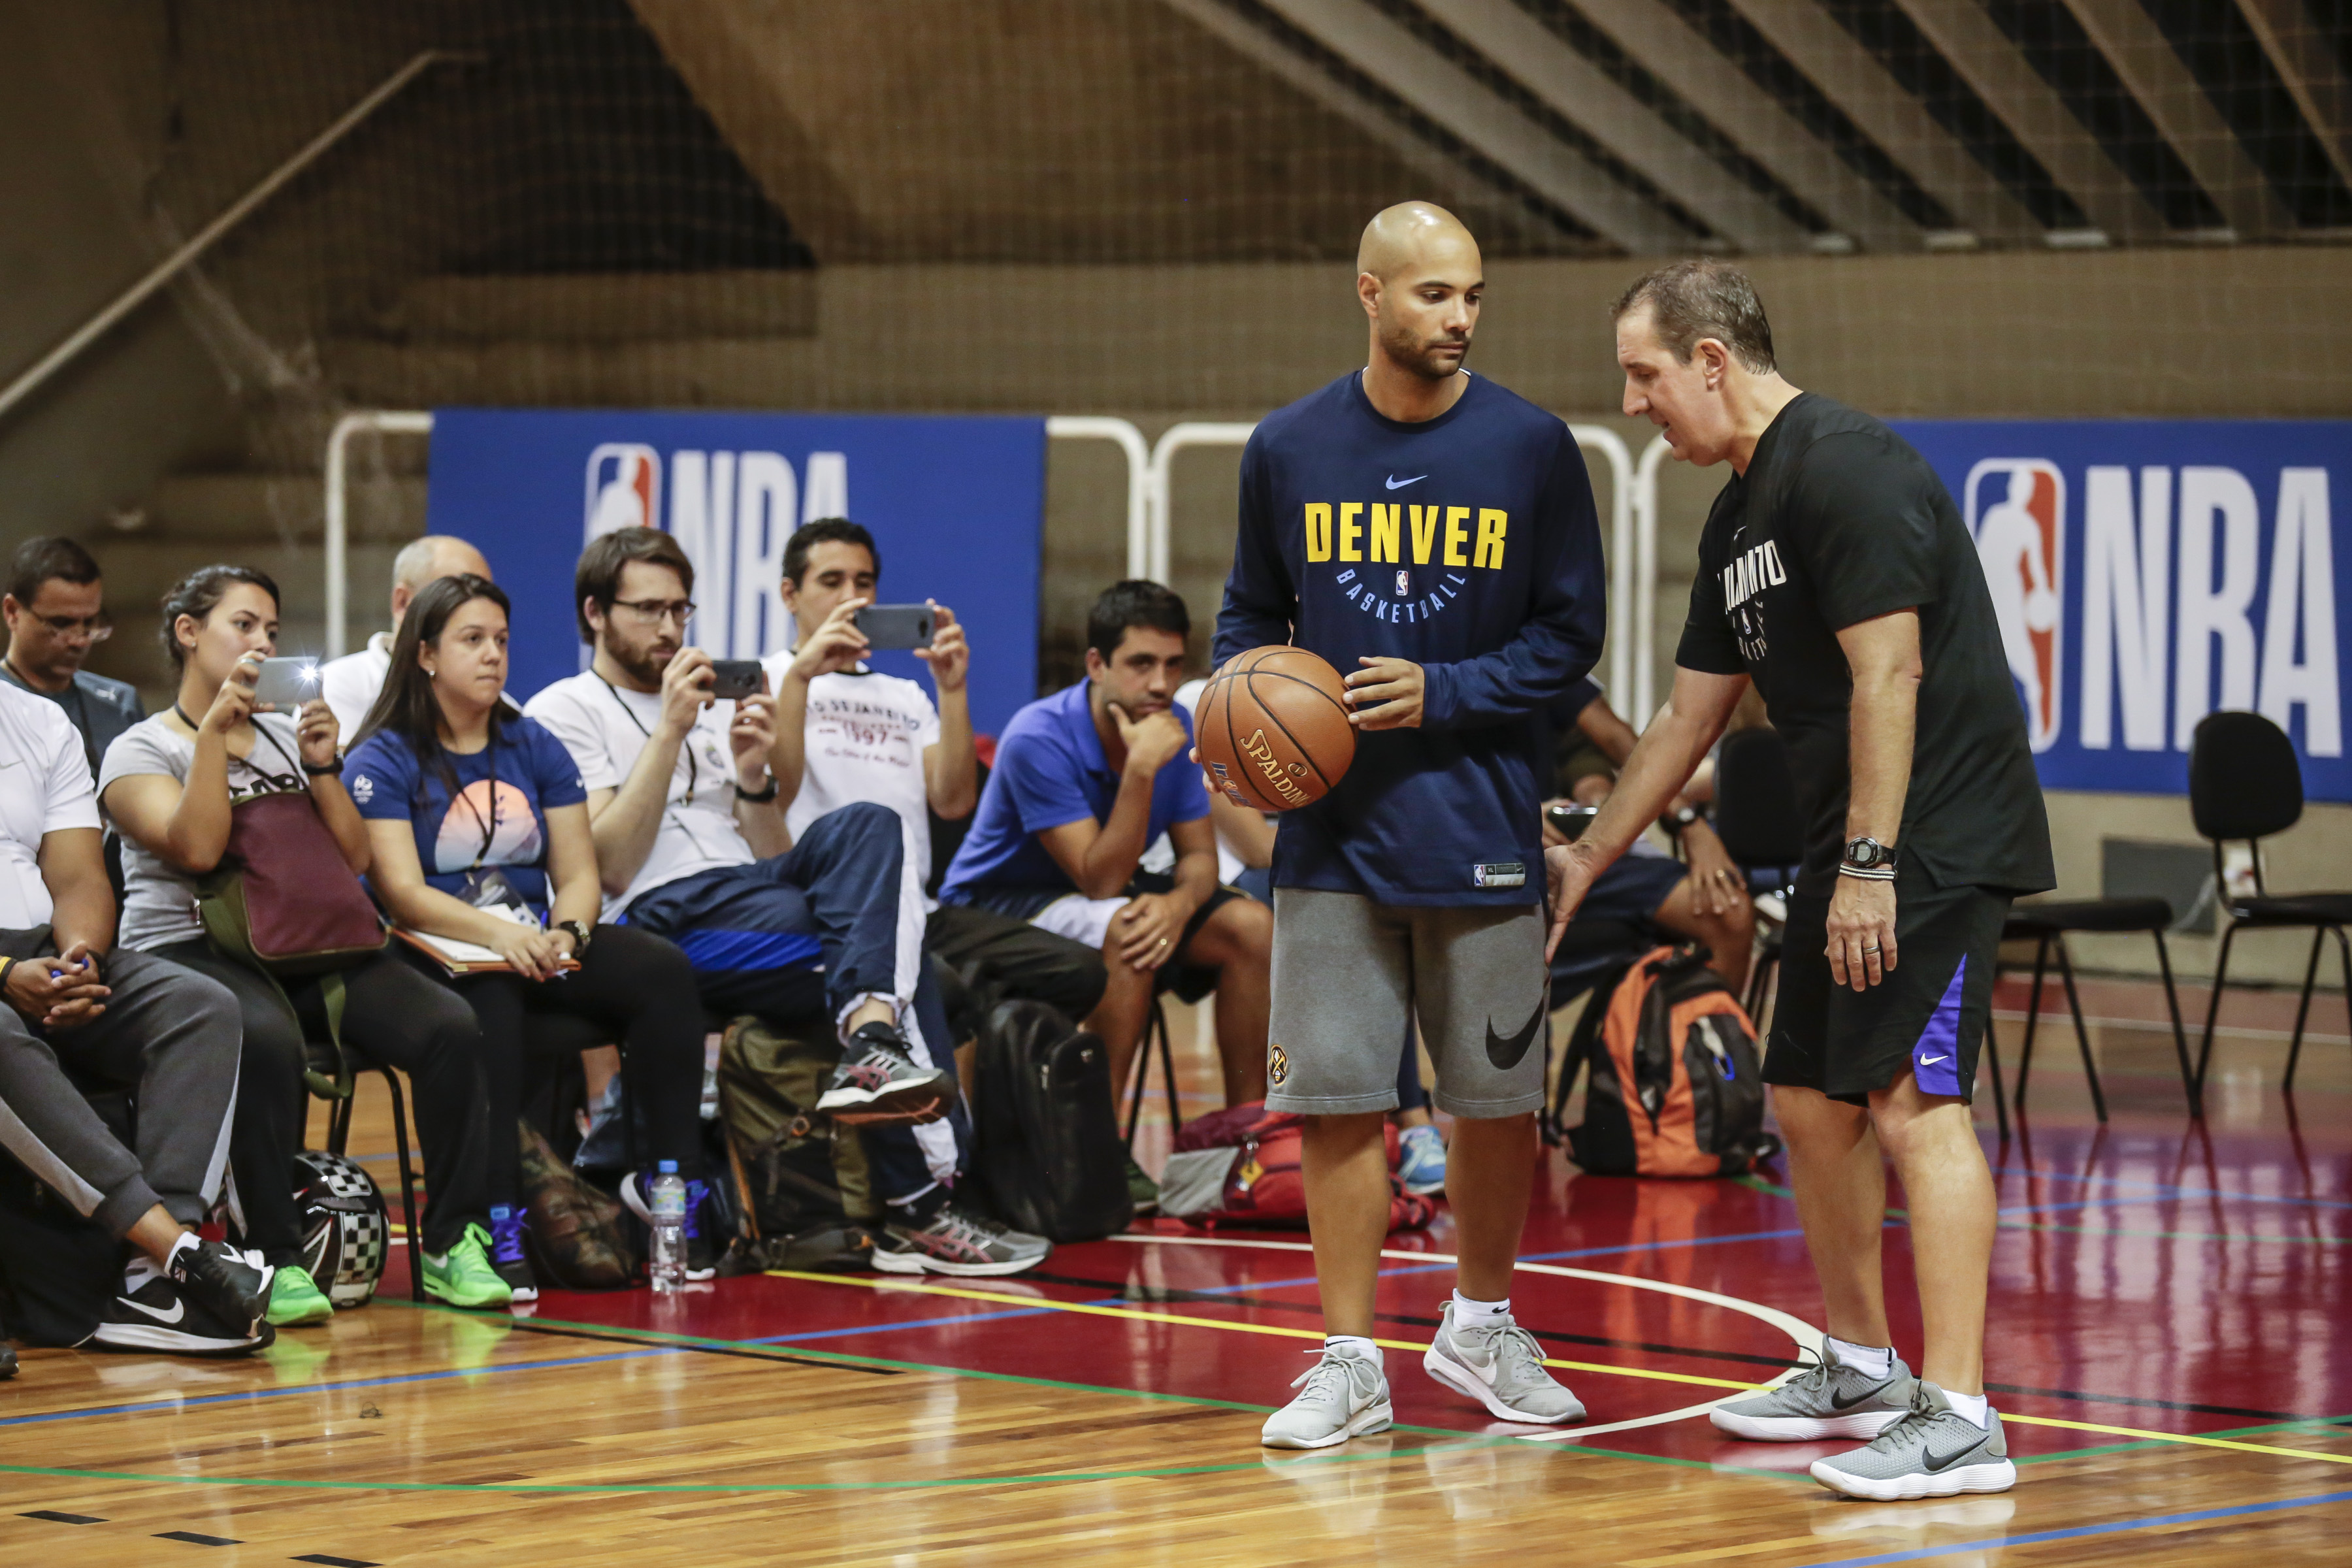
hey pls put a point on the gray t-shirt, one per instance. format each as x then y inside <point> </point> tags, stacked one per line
<point>159,901</point>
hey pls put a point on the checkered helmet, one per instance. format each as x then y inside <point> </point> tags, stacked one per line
<point>344,1226</point>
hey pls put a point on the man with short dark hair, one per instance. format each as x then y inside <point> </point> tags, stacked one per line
<point>350,684</point>
<point>56,611</point>
<point>1084,781</point>
<point>1835,574</point>
<point>693,845</point>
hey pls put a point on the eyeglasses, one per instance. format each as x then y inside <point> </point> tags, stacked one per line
<point>653,611</point>
<point>95,629</point>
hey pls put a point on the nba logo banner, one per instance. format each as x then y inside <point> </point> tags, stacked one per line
<point>2146,574</point>
<point>956,507</point>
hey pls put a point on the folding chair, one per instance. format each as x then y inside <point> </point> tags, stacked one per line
<point>339,1131</point>
<point>2046,925</point>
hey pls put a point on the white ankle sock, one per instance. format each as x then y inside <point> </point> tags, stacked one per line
<point>1354,1346</point>
<point>1469,1314</point>
<point>1876,1361</point>
<point>1975,1406</point>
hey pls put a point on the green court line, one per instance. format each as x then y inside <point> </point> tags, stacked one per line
<point>2294,1426</point>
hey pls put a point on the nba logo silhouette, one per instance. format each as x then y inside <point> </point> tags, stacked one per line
<point>2017,509</point>
<point>624,488</point>
<point>1404,584</point>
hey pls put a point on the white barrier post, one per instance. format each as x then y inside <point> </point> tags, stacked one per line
<point>1646,585</point>
<point>1611,445</point>
<point>390,421</point>
<point>1175,440</point>
<point>1099,427</point>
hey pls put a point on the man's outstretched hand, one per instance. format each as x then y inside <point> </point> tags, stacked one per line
<point>1571,870</point>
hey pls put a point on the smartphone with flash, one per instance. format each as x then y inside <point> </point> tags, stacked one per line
<point>898,626</point>
<point>284,684</point>
<point>735,677</point>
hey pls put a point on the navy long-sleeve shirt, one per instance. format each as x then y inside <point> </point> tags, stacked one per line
<point>1466,543</point>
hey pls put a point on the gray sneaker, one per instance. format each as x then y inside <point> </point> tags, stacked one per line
<point>1832,1399</point>
<point>1933,1451</point>
<point>1501,1368</point>
<point>954,1243</point>
<point>1340,1397</point>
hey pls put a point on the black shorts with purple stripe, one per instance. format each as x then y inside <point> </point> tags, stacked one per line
<point>1926,1018</point>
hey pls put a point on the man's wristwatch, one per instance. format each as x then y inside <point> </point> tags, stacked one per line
<point>762,798</point>
<point>1673,822</point>
<point>1868,859</point>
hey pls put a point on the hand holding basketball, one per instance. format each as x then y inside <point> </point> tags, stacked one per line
<point>1273,729</point>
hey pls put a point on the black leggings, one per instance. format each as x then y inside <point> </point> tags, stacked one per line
<point>631,988</point>
<point>392,1014</point>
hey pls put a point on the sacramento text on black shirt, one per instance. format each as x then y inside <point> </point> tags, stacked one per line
<point>1839,521</point>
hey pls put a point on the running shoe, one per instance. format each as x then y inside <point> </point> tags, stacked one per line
<point>1141,1190</point>
<point>1932,1450</point>
<point>156,1314</point>
<point>1830,1399</point>
<point>296,1299</point>
<point>1420,1160</point>
<point>1340,1397</point>
<point>464,1277</point>
<point>508,1259</point>
<point>234,1285</point>
<point>8,1359</point>
<point>1502,1368</point>
<point>702,1253</point>
<point>879,1082</point>
<point>952,1243</point>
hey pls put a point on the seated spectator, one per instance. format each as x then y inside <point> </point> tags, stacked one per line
<point>350,684</point>
<point>76,1007</point>
<point>56,611</point>
<point>692,845</point>
<point>476,816</point>
<point>1703,897</point>
<point>847,733</point>
<point>1084,781</point>
<point>171,783</point>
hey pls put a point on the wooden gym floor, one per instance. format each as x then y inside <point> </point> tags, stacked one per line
<point>2169,1344</point>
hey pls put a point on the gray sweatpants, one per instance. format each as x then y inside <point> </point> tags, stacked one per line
<point>168,1035</point>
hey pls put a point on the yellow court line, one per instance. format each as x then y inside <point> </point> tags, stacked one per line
<point>1090,1308</point>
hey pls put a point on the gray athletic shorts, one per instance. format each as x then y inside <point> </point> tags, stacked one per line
<point>1349,974</point>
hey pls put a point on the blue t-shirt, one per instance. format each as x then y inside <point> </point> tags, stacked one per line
<point>1050,771</point>
<point>1466,543</point>
<point>498,816</point>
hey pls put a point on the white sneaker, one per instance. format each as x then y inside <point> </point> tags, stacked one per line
<point>1500,1367</point>
<point>1342,1397</point>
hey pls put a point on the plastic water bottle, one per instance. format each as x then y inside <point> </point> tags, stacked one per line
<point>667,1264</point>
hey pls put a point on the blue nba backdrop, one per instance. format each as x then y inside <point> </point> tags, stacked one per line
<point>956,506</point>
<point>2148,573</point>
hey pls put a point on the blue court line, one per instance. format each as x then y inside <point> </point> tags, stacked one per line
<point>2162,1190</point>
<point>2083,1532</point>
<point>295,1388</point>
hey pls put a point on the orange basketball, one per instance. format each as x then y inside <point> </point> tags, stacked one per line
<point>1273,729</point>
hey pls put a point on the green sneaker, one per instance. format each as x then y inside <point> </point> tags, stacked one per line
<point>463,1275</point>
<point>295,1299</point>
<point>1141,1190</point>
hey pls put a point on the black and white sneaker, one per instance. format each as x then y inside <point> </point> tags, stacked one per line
<point>952,1243</point>
<point>879,1082</point>
<point>234,1286</point>
<point>8,1359</point>
<point>158,1316</point>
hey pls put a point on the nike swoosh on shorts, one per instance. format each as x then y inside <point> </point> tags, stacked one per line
<point>1505,1051</point>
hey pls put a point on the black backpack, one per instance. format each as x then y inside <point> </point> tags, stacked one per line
<point>1048,1158</point>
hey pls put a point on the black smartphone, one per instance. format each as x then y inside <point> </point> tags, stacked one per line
<point>897,626</point>
<point>735,677</point>
<point>1570,821</point>
<point>284,684</point>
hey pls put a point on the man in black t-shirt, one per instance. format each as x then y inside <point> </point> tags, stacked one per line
<point>1835,574</point>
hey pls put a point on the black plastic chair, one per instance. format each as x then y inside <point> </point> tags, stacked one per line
<point>1155,1028</point>
<point>2046,925</point>
<point>1756,817</point>
<point>339,1132</point>
<point>2245,783</point>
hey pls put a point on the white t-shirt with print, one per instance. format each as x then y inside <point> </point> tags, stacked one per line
<point>159,901</point>
<point>865,740</point>
<point>606,727</point>
<point>44,787</point>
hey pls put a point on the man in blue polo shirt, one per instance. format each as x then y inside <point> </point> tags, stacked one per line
<point>1084,781</point>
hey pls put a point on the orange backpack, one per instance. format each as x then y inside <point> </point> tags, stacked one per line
<point>1675,1086</point>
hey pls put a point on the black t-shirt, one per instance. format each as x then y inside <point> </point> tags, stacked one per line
<point>1838,522</point>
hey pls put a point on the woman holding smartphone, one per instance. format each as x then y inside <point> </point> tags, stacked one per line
<point>478,824</point>
<point>170,784</point>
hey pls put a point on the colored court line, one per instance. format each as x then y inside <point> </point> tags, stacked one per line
<point>2084,1531</point>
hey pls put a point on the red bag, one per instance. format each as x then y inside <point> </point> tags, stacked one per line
<point>1264,1186</point>
<point>283,897</point>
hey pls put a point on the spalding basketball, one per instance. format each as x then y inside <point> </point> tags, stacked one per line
<point>1272,729</point>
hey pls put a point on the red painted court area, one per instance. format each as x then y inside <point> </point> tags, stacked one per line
<point>2153,1278</point>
